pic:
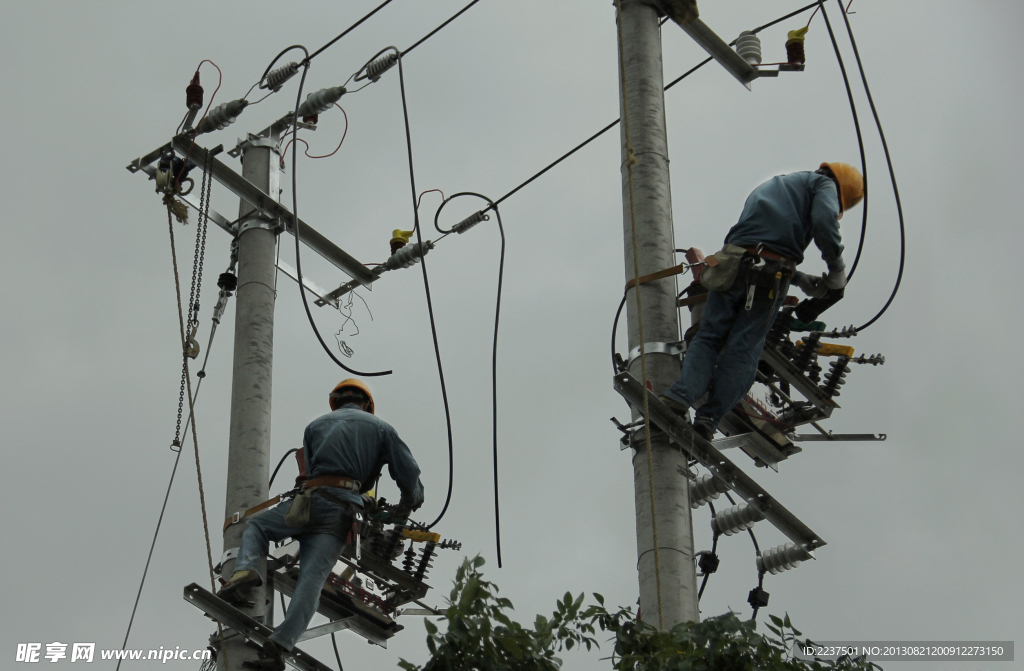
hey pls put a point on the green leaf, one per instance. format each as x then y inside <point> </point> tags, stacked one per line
<point>776,620</point>
<point>430,626</point>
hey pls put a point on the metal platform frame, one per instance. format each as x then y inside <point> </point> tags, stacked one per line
<point>720,467</point>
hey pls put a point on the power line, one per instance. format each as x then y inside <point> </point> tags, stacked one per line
<point>435,30</point>
<point>616,122</point>
<point>892,173</point>
<point>426,288</point>
<point>344,33</point>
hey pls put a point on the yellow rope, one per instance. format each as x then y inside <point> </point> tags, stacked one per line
<point>630,161</point>
<point>170,201</point>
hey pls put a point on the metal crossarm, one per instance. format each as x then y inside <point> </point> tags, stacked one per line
<point>246,626</point>
<point>260,200</point>
<point>719,466</point>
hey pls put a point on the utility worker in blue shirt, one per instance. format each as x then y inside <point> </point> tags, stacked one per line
<point>344,452</point>
<point>779,220</point>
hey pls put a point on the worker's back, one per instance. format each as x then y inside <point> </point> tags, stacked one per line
<point>354,443</point>
<point>787,212</point>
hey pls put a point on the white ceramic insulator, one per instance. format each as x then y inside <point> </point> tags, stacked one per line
<point>321,101</point>
<point>782,558</point>
<point>276,79</point>
<point>748,46</point>
<point>706,488</point>
<point>222,116</point>
<point>735,519</point>
<point>408,255</point>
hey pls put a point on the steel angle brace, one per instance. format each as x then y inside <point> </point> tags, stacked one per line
<point>246,626</point>
<point>719,466</point>
<point>263,202</point>
<point>829,437</point>
<point>216,217</point>
<point>791,374</point>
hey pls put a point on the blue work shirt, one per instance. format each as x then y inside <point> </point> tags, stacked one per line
<point>787,212</point>
<point>352,442</point>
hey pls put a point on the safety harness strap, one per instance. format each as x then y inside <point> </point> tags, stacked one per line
<point>661,274</point>
<point>239,516</point>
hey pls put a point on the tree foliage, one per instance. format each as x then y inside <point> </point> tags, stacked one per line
<point>481,636</point>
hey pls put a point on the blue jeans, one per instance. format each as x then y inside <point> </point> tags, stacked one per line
<point>724,353</point>
<point>320,545</point>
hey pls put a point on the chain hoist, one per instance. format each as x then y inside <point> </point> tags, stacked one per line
<point>190,346</point>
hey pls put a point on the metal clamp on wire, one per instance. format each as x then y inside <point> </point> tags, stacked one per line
<point>470,221</point>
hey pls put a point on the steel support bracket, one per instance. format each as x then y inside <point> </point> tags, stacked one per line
<point>671,348</point>
<point>252,630</point>
<point>710,458</point>
<point>851,437</point>
<point>272,224</point>
<point>260,200</point>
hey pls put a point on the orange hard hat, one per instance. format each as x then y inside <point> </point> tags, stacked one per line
<point>350,383</point>
<point>851,184</point>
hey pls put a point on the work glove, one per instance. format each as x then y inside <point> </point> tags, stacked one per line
<point>400,513</point>
<point>811,285</point>
<point>834,279</point>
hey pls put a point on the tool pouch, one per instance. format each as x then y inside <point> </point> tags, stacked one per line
<point>298,513</point>
<point>722,268</point>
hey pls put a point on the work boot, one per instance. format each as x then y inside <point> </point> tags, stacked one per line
<point>675,406</point>
<point>271,658</point>
<point>236,591</point>
<point>702,427</point>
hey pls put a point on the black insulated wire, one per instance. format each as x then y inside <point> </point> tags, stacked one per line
<point>860,143</point>
<point>494,352</point>
<point>892,176</point>
<point>714,547</point>
<point>281,463</point>
<point>430,304</point>
<point>436,30</point>
<point>615,327</point>
<point>616,122</point>
<point>344,33</point>
<point>295,223</point>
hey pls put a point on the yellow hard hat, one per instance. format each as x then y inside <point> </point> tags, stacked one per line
<point>851,184</point>
<point>352,383</point>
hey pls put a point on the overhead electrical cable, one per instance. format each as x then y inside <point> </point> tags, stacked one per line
<point>892,173</point>
<point>295,225</point>
<point>436,30</point>
<point>860,142</point>
<point>426,288</point>
<point>607,128</point>
<point>494,353</point>
<point>345,32</point>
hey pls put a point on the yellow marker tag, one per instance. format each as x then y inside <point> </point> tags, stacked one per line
<point>421,536</point>
<point>831,349</point>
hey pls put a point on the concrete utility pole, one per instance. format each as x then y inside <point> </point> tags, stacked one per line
<point>643,129</point>
<point>249,440</point>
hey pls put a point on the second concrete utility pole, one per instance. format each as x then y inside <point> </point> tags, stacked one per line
<point>668,583</point>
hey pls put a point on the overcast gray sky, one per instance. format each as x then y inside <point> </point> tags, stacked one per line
<point>922,530</point>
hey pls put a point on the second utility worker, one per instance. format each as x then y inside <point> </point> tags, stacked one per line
<point>749,278</point>
<point>344,452</point>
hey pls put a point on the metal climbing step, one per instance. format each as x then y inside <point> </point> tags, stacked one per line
<point>252,630</point>
<point>719,466</point>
